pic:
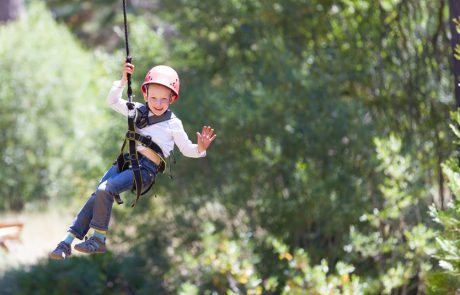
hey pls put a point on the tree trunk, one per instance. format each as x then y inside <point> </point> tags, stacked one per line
<point>441,182</point>
<point>10,9</point>
<point>454,23</point>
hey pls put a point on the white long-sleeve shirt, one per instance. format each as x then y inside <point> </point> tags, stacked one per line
<point>165,133</point>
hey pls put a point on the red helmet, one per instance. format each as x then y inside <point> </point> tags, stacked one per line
<point>162,75</point>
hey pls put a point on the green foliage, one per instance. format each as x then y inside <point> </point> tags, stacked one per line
<point>297,91</point>
<point>395,239</point>
<point>101,274</point>
<point>208,251</point>
<point>290,147</point>
<point>218,263</point>
<point>304,278</point>
<point>214,255</point>
<point>49,99</point>
<point>230,266</point>
<point>446,278</point>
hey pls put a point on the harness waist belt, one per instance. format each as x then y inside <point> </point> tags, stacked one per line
<point>145,141</point>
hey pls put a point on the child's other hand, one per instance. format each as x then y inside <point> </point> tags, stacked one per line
<point>205,138</point>
<point>128,68</point>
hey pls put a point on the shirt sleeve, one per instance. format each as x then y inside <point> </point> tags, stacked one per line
<point>114,98</point>
<point>186,147</point>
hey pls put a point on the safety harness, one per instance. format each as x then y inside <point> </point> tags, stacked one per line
<point>137,117</point>
<point>124,161</point>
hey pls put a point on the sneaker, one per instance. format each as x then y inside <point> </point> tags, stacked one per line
<point>91,245</point>
<point>62,251</point>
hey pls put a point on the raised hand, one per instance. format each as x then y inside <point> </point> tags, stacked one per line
<point>128,68</point>
<point>205,138</point>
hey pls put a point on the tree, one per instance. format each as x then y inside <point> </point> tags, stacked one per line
<point>454,24</point>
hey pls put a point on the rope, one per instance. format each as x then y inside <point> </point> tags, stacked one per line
<point>128,58</point>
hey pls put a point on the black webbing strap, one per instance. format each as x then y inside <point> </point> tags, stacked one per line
<point>157,119</point>
<point>131,135</point>
<point>128,57</point>
<point>131,142</point>
<point>124,160</point>
<point>143,119</point>
<point>133,159</point>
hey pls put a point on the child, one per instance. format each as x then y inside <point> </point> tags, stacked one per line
<point>160,89</point>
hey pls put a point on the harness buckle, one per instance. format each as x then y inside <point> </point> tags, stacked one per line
<point>130,105</point>
<point>147,141</point>
<point>131,110</point>
<point>131,135</point>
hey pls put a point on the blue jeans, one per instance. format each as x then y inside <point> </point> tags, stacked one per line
<point>98,208</point>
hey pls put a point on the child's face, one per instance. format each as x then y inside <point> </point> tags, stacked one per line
<point>158,98</point>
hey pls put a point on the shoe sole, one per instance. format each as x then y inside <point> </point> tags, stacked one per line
<point>57,257</point>
<point>89,252</point>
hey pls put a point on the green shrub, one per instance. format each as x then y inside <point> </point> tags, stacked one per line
<point>50,96</point>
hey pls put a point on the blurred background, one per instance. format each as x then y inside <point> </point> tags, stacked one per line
<point>335,169</point>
